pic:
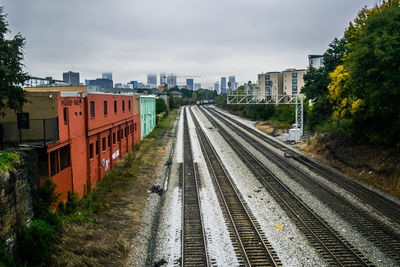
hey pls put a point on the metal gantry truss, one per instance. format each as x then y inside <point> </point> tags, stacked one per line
<point>249,96</point>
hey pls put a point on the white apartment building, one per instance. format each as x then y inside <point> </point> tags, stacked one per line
<point>293,81</point>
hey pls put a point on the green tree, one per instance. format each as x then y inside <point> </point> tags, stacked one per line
<point>317,81</point>
<point>367,87</point>
<point>161,106</point>
<point>12,76</point>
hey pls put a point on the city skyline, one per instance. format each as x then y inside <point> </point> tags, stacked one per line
<point>211,46</point>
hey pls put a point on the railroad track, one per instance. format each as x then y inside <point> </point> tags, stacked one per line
<point>249,242</point>
<point>194,246</point>
<point>333,247</point>
<point>372,229</point>
<point>385,206</point>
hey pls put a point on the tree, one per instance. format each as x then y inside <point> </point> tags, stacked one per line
<point>161,106</point>
<point>12,76</point>
<point>366,88</point>
<point>317,81</point>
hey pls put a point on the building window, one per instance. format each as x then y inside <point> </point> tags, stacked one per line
<point>105,107</point>
<point>126,132</point>
<point>294,81</point>
<point>118,136</point>
<point>294,75</point>
<point>65,159</point>
<point>267,77</point>
<point>109,140</point>
<point>129,105</point>
<point>123,106</point>
<point>54,163</point>
<point>91,151</point>
<point>65,115</point>
<point>92,109</point>
<point>131,128</point>
<point>113,138</point>
<point>103,141</point>
<point>122,133</point>
<point>115,106</point>
<point>97,147</point>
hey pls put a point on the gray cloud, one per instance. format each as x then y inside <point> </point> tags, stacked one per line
<point>208,38</point>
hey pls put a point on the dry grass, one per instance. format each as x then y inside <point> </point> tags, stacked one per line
<point>106,238</point>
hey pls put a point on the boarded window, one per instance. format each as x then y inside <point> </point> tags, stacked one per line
<point>97,147</point>
<point>65,159</point>
<point>54,162</point>
<point>109,140</point>
<point>91,151</point>
<point>114,138</point>
<point>118,133</point>
<point>92,109</point>
<point>65,111</point>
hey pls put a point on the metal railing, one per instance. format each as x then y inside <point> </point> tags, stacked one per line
<point>35,132</point>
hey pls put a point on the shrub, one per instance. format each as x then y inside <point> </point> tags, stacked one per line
<point>72,202</point>
<point>34,243</point>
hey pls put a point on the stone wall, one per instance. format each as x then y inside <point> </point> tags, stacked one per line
<point>16,193</point>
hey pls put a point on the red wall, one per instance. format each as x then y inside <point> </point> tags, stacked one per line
<point>80,131</point>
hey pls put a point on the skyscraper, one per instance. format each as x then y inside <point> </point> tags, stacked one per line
<point>163,78</point>
<point>232,81</point>
<point>190,83</point>
<point>223,84</point>
<point>107,75</point>
<point>171,80</point>
<point>71,77</point>
<point>152,79</point>
<point>216,86</point>
<point>197,86</point>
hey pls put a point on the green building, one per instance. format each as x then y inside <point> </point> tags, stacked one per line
<point>147,114</point>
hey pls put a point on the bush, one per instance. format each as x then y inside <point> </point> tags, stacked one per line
<point>5,260</point>
<point>34,243</point>
<point>72,202</point>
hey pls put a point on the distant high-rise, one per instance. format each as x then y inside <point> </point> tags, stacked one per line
<point>197,86</point>
<point>171,80</point>
<point>101,82</point>
<point>223,84</point>
<point>71,77</point>
<point>107,75</point>
<point>231,79</point>
<point>163,78</point>
<point>152,79</point>
<point>190,84</point>
<point>216,86</point>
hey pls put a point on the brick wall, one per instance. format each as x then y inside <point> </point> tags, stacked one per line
<point>16,193</point>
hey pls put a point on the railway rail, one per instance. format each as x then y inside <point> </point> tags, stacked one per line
<point>249,242</point>
<point>384,205</point>
<point>194,245</point>
<point>375,231</point>
<point>329,243</point>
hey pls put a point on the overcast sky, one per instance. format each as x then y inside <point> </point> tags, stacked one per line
<point>208,38</point>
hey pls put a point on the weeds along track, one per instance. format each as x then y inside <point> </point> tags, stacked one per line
<point>386,206</point>
<point>194,248</point>
<point>332,247</point>
<point>249,242</point>
<point>372,229</point>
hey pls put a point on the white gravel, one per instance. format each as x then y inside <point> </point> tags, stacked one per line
<point>291,246</point>
<point>351,235</point>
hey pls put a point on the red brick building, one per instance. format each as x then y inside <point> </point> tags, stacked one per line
<point>92,131</point>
